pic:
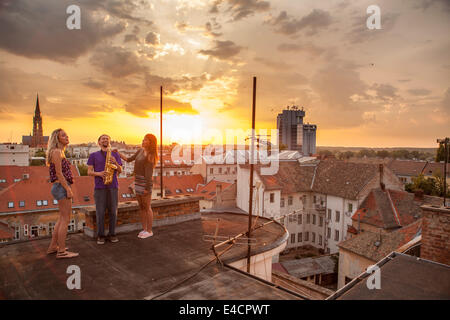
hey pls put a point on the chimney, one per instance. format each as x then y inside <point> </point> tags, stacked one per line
<point>435,234</point>
<point>381,170</point>
<point>418,194</point>
<point>218,194</point>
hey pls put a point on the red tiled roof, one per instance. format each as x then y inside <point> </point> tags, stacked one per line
<point>376,209</point>
<point>334,177</point>
<point>209,190</point>
<point>39,188</point>
<point>434,168</point>
<point>9,173</point>
<point>407,167</point>
<point>182,183</point>
<point>376,246</point>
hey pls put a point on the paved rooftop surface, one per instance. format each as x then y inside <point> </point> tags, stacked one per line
<point>142,268</point>
<point>404,278</point>
<point>306,267</point>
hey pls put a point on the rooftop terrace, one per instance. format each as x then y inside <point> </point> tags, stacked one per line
<point>145,268</point>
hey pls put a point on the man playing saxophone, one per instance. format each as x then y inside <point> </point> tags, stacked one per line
<point>105,165</point>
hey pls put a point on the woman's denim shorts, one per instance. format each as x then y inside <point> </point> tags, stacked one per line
<point>58,191</point>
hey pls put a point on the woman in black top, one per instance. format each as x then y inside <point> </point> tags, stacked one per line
<point>145,160</point>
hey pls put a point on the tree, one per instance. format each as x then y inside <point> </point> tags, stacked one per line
<point>383,154</point>
<point>40,153</point>
<point>82,168</point>
<point>326,153</point>
<point>440,153</point>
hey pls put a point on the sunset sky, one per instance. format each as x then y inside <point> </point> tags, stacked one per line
<point>374,88</point>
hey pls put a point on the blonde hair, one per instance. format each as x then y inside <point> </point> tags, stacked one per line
<point>53,143</point>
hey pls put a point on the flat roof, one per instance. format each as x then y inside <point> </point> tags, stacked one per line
<point>403,277</point>
<point>137,268</point>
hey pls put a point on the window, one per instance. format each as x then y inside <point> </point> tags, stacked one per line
<point>338,216</point>
<point>350,207</point>
<point>306,236</point>
<point>272,197</point>
<point>320,240</point>
<point>313,237</point>
<point>282,202</point>
<point>228,170</point>
<point>71,226</point>
<point>314,219</point>
<point>304,201</point>
<point>320,221</point>
<point>124,195</point>
<point>220,170</point>
<point>34,231</point>
<point>299,237</point>
<point>314,199</point>
<point>190,190</point>
<point>55,201</point>
<point>21,203</point>
<point>336,235</point>
<point>16,180</point>
<point>290,201</point>
<point>178,191</point>
<point>39,203</point>
<point>329,233</point>
<point>25,230</point>
<point>2,180</point>
<point>293,238</point>
<point>211,170</point>
<point>10,204</point>
<point>329,214</point>
<point>300,218</point>
<point>16,232</point>
<point>44,202</point>
<point>308,218</point>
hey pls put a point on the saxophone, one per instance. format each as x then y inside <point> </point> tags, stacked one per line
<point>109,168</point>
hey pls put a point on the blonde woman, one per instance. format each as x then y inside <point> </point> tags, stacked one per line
<point>61,177</point>
<point>145,160</point>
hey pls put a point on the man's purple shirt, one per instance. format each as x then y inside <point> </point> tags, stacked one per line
<point>98,160</point>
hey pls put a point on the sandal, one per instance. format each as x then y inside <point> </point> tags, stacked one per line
<point>66,254</point>
<point>55,250</point>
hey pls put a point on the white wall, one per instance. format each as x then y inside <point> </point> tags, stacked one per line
<point>14,155</point>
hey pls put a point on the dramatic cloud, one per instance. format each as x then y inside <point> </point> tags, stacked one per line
<point>419,92</point>
<point>37,29</point>
<point>299,47</point>
<point>130,38</point>
<point>116,61</point>
<point>152,38</point>
<point>385,91</point>
<point>315,21</point>
<point>241,9</point>
<point>359,33</point>
<point>223,50</point>
<point>277,65</point>
<point>211,27</point>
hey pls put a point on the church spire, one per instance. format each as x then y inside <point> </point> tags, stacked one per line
<point>37,111</point>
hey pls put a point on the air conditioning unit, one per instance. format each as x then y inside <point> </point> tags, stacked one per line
<point>26,176</point>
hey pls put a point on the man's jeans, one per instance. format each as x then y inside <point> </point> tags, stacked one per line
<point>106,199</point>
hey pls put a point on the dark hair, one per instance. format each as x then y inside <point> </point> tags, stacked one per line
<point>102,136</point>
<point>151,150</point>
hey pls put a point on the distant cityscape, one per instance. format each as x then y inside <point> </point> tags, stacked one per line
<point>341,207</point>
